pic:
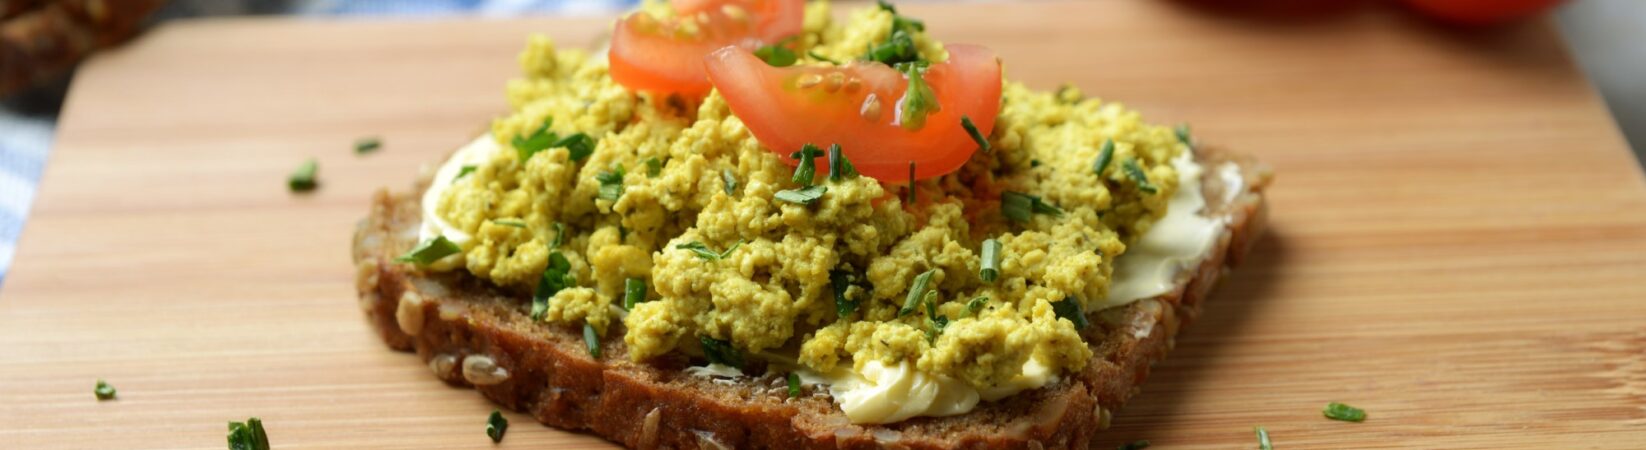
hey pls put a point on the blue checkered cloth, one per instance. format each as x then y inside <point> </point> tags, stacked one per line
<point>25,140</point>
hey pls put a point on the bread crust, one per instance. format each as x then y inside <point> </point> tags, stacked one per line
<point>472,334</point>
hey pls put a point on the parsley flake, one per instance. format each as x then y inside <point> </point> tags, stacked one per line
<point>557,276</point>
<point>654,167</point>
<point>1069,308</point>
<point>1137,175</point>
<point>803,196</point>
<point>430,251</point>
<point>611,183</point>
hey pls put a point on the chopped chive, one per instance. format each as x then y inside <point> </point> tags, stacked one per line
<point>559,235</point>
<point>1069,308</point>
<point>841,281</point>
<point>807,170</point>
<point>463,171</point>
<point>611,183</point>
<point>917,292</point>
<point>654,166</point>
<point>578,146</point>
<point>971,129</point>
<point>1018,206</point>
<point>976,304</point>
<point>592,339</point>
<point>1346,413</point>
<point>935,324</point>
<point>1103,157</point>
<point>991,261</point>
<point>912,197</point>
<point>794,385</point>
<point>729,181</point>
<point>430,251</point>
<point>818,57</point>
<point>104,391</point>
<point>367,145</point>
<point>303,179</point>
<point>898,48</point>
<point>703,252</point>
<point>557,276</point>
<point>248,435</point>
<point>1134,445</point>
<point>776,55</point>
<point>1136,173</point>
<point>496,425</point>
<point>721,352</point>
<point>517,223</point>
<point>839,167</point>
<point>1263,439</point>
<point>803,196</point>
<point>538,140</point>
<point>1183,135</point>
<point>634,292</point>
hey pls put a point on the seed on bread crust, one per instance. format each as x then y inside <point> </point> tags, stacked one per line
<point>409,314</point>
<point>442,365</point>
<point>481,370</point>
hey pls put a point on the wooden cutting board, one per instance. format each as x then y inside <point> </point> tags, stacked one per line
<point>1458,239</point>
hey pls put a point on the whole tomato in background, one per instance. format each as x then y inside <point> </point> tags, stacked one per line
<point>1480,12</point>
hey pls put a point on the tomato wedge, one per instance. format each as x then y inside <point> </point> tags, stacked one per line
<point>857,106</point>
<point>666,56</point>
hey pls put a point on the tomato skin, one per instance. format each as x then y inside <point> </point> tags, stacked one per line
<point>785,115</point>
<point>1480,12</point>
<point>648,54</point>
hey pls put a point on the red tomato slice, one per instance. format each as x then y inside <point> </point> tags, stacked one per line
<point>667,56</point>
<point>1480,12</point>
<point>856,106</point>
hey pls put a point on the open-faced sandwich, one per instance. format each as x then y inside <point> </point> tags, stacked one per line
<point>747,225</point>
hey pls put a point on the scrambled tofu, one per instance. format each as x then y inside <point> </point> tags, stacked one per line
<point>694,217</point>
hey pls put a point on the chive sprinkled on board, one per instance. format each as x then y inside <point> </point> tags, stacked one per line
<point>729,181</point>
<point>703,252</point>
<point>794,384</point>
<point>465,170</point>
<point>1018,206</point>
<point>611,183</point>
<point>977,136</point>
<point>430,251</point>
<point>1137,175</point>
<point>1103,157</point>
<point>1069,308</point>
<point>991,261</point>
<point>802,196</point>
<point>517,223</point>
<point>248,435</point>
<point>496,425</point>
<point>1134,445</point>
<point>806,172</point>
<point>721,352</point>
<point>917,292</point>
<point>367,145</point>
<point>1346,413</point>
<point>841,281</point>
<point>634,292</point>
<point>777,55</point>
<point>104,390</point>
<point>592,339</point>
<point>840,168</point>
<point>1263,439</point>
<point>304,178</point>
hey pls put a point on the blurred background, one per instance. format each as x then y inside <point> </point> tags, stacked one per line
<point>41,41</point>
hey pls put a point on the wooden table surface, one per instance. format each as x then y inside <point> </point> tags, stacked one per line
<point>1458,239</point>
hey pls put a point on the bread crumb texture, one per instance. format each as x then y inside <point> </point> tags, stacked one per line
<point>772,293</point>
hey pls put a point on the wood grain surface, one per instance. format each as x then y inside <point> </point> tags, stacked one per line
<point>1458,234</point>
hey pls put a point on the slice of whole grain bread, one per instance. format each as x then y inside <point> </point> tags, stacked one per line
<point>472,334</point>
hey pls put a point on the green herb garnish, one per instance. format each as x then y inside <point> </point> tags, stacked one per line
<point>430,251</point>
<point>465,170</point>
<point>592,339</point>
<point>496,425</point>
<point>367,145</point>
<point>1103,157</point>
<point>611,183</point>
<point>1067,93</point>
<point>1183,136</point>
<point>557,275</point>
<point>794,385</point>
<point>807,170</point>
<point>1134,445</point>
<point>1136,173</point>
<point>517,223</point>
<point>721,352</point>
<point>559,235</point>
<point>841,281</point>
<point>976,304</point>
<point>654,166</point>
<point>248,435</point>
<point>1018,206</point>
<point>1346,413</point>
<point>917,292</point>
<point>578,145</point>
<point>1069,308</point>
<point>934,323</point>
<point>1263,439</point>
<point>898,48</point>
<point>303,179</point>
<point>918,99</point>
<point>840,168</point>
<point>971,129</point>
<point>803,196</point>
<point>634,292</point>
<point>991,261</point>
<point>729,181</point>
<point>818,57</point>
<point>104,391</point>
<point>703,251</point>
<point>776,55</point>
